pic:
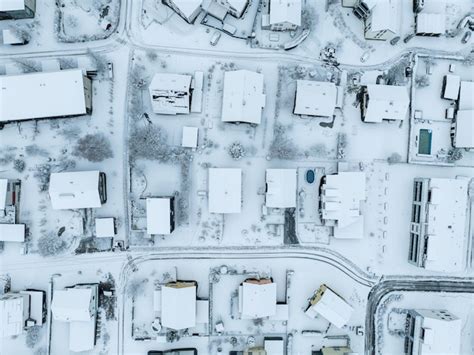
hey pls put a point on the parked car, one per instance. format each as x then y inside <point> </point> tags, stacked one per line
<point>183,351</point>
<point>215,38</point>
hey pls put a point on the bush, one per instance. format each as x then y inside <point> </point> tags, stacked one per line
<point>33,335</point>
<point>236,151</point>
<point>51,245</point>
<point>93,147</point>
<point>394,158</point>
<point>19,165</point>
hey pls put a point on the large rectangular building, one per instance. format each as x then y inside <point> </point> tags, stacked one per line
<point>17,9</point>
<point>45,95</point>
<point>438,224</point>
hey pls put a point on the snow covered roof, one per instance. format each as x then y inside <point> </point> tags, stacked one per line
<point>190,137</point>
<point>285,11</point>
<point>466,96</point>
<point>73,190</point>
<point>442,332</point>
<point>42,95</point>
<point>341,197</point>
<point>225,190</point>
<point>431,23</point>
<point>12,5</point>
<point>82,335</point>
<point>73,304</point>
<point>36,305</point>
<point>3,193</point>
<point>451,86</point>
<point>281,188</point>
<point>12,233</point>
<point>178,305</point>
<point>464,137</point>
<point>331,306</point>
<point>158,215</point>
<point>243,98</point>
<point>187,7</point>
<point>387,102</point>
<point>238,5</point>
<point>315,98</point>
<point>104,227</point>
<point>257,299</point>
<point>13,314</point>
<point>170,93</point>
<point>383,16</point>
<point>446,224</point>
<point>274,346</point>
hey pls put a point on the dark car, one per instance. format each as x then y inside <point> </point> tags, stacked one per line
<point>184,351</point>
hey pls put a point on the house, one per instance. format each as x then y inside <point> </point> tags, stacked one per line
<point>280,191</point>
<point>463,128</point>
<point>466,94</point>
<point>235,8</point>
<point>432,332</point>
<point>187,9</point>
<point>438,224</point>
<point>341,197</point>
<point>78,189</point>
<point>12,232</point>
<point>382,21</point>
<point>315,98</point>
<point>19,310</point>
<point>274,345</point>
<point>105,227</point>
<point>283,15</point>
<point>257,298</point>
<point>17,9</point>
<point>225,190</point>
<point>171,93</point>
<point>334,350</point>
<point>243,98</point>
<point>9,200</point>
<point>62,93</point>
<point>451,87</point>
<point>77,306</point>
<point>160,215</point>
<point>178,305</point>
<point>384,102</point>
<point>430,24</point>
<point>330,306</point>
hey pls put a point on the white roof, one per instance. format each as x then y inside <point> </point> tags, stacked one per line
<point>73,304</point>
<point>178,307</point>
<point>12,233</point>
<point>281,188</point>
<point>238,5</point>
<point>452,85</point>
<point>3,193</point>
<point>36,305</point>
<point>285,11</point>
<point>464,137</point>
<point>274,346</point>
<point>158,215</point>
<point>11,37</point>
<point>187,7</point>
<point>341,197</point>
<point>43,95</point>
<point>243,98</point>
<point>383,16</point>
<point>82,335</point>
<point>446,219</point>
<point>13,313</point>
<point>190,137</point>
<point>333,308</point>
<point>442,333</point>
<point>104,227</point>
<point>170,93</point>
<point>73,190</point>
<point>431,23</point>
<point>225,190</point>
<point>466,96</point>
<point>257,300</point>
<point>387,102</point>
<point>12,5</point>
<point>315,98</point>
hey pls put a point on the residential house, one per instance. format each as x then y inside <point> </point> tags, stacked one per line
<point>225,190</point>
<point>10,232</point>
<point>243,99</point>
<point>330,306</point>
<point>63,93</point>
<point>187,9</point>
<point>9,200</point>
<point>77,306</point>
<point>384,102</point>
<point>463,125</point>
<point>451,87</point>
<point>430,18</point>
<point>438,224</point>
<point>17,9</point>
<point>432,332</point>
<point>160,215</point>
<point>315,98</point>
<point>257,298</point>
<point>280,191</point>
<point>382,22</point>
<point>235,8</point>
<point>77,190</point>
<point>283,15</point>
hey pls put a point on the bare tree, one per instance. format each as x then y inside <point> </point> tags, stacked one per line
<point>93,147</point>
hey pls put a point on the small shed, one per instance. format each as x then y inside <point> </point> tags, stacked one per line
<point>12,233</point>
<point>105,227</point>
<point>190,137</point>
